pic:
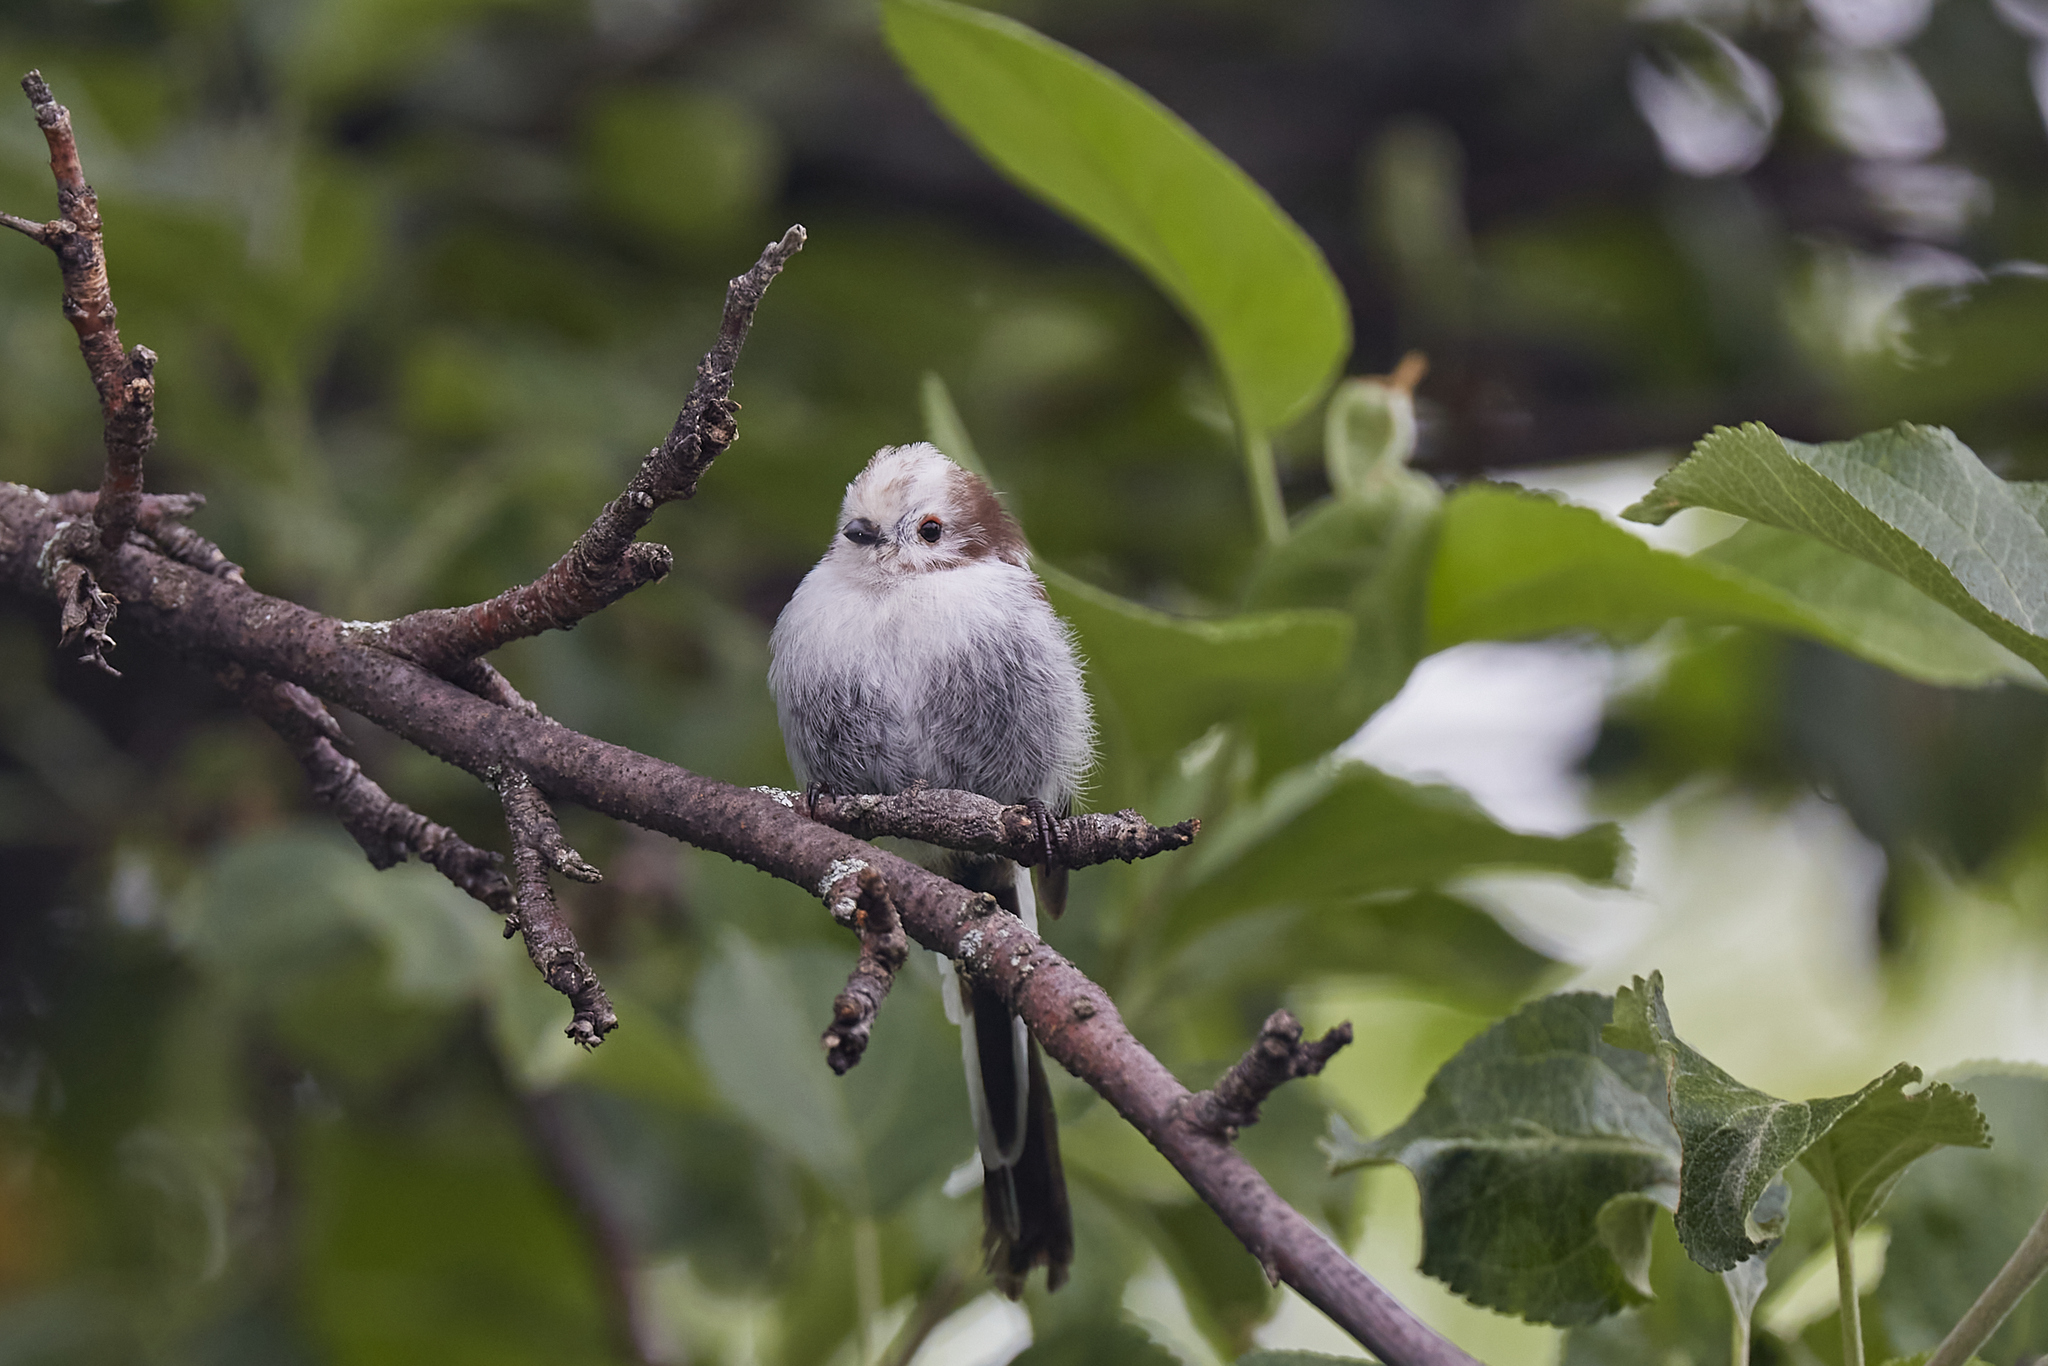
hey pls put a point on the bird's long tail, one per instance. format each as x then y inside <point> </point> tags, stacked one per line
<point>1023,1192</point>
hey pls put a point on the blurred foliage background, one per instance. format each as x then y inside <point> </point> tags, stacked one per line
<point>428,277</point>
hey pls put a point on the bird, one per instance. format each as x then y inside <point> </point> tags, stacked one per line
<point>922,651</point>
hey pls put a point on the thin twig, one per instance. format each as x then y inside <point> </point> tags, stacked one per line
<point>859,899</point>
<point>1278,1057</point>
<point>388,830</point>
<point>537,847</point>
<point>2021,1273</point>
<point>974,824</point>
<point>606,563</point>
<point>124,380</point>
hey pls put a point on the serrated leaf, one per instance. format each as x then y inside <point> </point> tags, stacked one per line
<point>1912,500</point>
<point>1538,1150</point>
<point>1105,153</point>
<point>1514,565</point>
<point>1738,1139</point>
<point>1339,829</point>
<point>1866,611</point>
<point>1957,1216</point>
<point>1746,1281</point>
<point>1686,1321</point>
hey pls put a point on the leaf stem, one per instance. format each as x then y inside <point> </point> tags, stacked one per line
<point>867,1281</point>
<point>1265,481</point>
<point>1845,1277</point>
<point>1738,1349</point>
<point>2015,1279</point>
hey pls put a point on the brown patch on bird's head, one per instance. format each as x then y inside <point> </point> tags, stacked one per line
<point>986,526</point>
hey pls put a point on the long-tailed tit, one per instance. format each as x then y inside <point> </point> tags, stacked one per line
<point>921,649</point>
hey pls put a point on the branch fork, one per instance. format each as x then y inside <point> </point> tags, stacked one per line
<point>537,848</point>
<point>1278,1057</point>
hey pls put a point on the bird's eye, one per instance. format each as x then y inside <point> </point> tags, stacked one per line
<point>930,529</point>
<point>862,532</point>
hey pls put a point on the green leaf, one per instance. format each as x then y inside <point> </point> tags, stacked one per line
<point>466,1253</point>
<point>1957,1216</point>
<point>1912,500</point>
<point>1447,947</point>
<point>1541,1152</point>
<point>1266,1358</point>
<point>1514,565</point>
<point>945,428</point>
<point>1096,1344</point>
<point>1738,1140</point>
<point>1369,437</point>
<point>1161,682</point>
<point>758,1036</point>
<point>1686,1320</point>
<point>1228,1295</point>
<point>1862,609</point>
<point>1369,557</point>
<point>1108,155</point>
<point>1336,830</point>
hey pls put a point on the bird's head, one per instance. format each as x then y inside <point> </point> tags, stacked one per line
<point>914,511</point>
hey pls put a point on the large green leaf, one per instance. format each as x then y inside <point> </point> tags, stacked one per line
<point>1913,500</point>
<point>1542,1153</point>
<point>1369,557</point>
<point>1425,939</point>
<point>1513,565</point>
<point>757,1033</point>
<point>1161,682</point>
<point>1102,151</point>
<point>1336,830</point>
<point>445,1251</point>
<point>1687,1319</point>
<point>1958,1215</point>
<point>1860,608</point>
<point>1738,1139</point>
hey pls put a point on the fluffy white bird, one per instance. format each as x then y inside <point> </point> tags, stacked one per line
<point>922,649</point>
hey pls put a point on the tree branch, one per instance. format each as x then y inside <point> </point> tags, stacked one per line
<point>970,822</point>
<point>537,847</point>
<point>859,899</point>
<point>388,830</point>
<point>418,678</point>
<point>606,563</point>
<point>209,618</point>
<point>124,379</point>
<point>1278,1057</point>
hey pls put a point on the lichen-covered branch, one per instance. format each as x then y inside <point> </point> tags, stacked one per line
<point>970,822</point>
<point>1278,1057</point>
<point>859,899</point>
<point>606,562</point>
